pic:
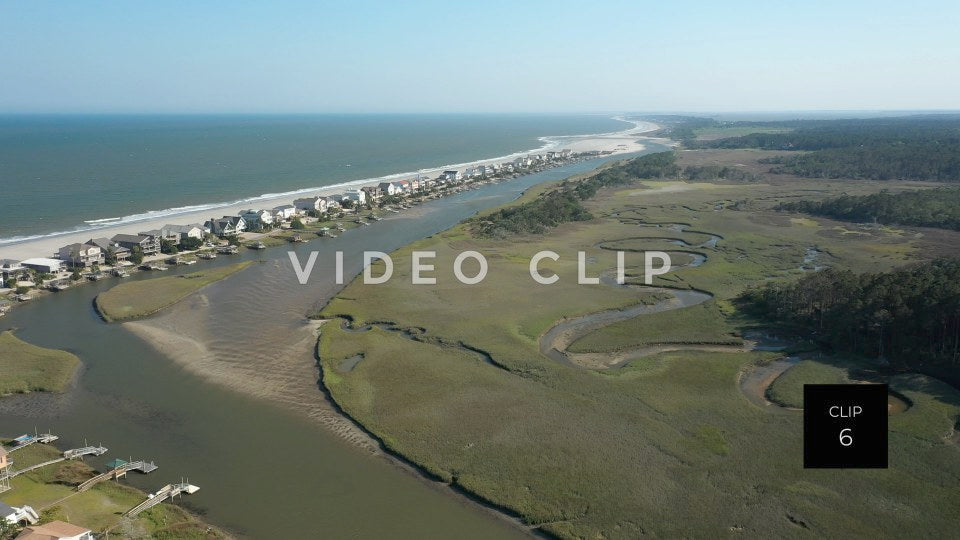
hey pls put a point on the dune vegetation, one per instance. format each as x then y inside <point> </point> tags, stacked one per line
<point>135,299</point>
<point>452,377</point>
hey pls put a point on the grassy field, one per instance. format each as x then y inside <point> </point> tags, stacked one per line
<point>700,324</point>
<point>141,298</point>
<point>666,445</point>
<point>787,389</point>
<point>50,491</point>
<point>28,368</point>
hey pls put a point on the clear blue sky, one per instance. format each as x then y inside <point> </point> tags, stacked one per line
<point>479,56</point>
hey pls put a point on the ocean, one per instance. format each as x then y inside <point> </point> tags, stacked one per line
<point>70,173</point>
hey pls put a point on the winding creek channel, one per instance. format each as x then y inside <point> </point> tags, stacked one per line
<point>222,388</point>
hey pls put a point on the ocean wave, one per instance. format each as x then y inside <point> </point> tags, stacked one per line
<point>548,143</point>
<point>104,220</point>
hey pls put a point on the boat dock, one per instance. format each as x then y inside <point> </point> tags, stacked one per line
<point>69,454</point>
<point>26,440</point>
<point>166,492</point>
<point>118,469</point>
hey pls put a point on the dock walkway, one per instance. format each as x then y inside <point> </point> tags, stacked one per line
<point>121,469</point>
<point>68,454</point>
<point>166,492</point>
<point>24,441</point>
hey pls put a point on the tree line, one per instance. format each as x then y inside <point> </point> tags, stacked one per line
<point>905,319</point>
<point>903,148</point>
<point>923,208</point>
<point>564,203</point>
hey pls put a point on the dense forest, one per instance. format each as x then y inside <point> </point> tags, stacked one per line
<point>924,208</point>
<point>909,318</point>
<point>563,204</point>
<point>902,148</point>
<point>714,172</point>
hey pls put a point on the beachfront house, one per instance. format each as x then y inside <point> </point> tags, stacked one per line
<point>159,234</point>
<point>356,195</point>
<point>55,530</point>
<point>156,235</point>
<point>226,226</point>
<point>147,244</point>
<point>107,246</point>
<point>330,204</point>
<point>306,204</point>
<point>257,218</point>
<point>452,175</point>
<point>43,265</point>
<point>373,193</point>
<point>81,255</point>
<point>566,152</point>
<point>522,162</point>
<point>388,188</point>
<point>284,212</point>
<point>11,271</point>
<point>179,233</point>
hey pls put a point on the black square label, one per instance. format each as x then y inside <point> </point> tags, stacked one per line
<point>845,426</point>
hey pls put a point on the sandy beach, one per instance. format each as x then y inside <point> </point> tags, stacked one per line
<point>620,142</point>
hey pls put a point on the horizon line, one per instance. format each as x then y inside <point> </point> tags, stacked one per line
<point>451,113</point>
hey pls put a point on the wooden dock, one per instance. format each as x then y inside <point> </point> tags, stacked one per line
<point>69,454</point>
<point>166,492</point>
<point>117,472</point>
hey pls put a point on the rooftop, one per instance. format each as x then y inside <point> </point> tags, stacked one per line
<point>53,530</point>
<point>129,238</point>
<point>42,261</point>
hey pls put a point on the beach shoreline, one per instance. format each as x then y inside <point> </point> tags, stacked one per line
<point>44,245</point>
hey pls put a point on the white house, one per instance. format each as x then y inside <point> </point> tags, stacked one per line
<point>13,515</point>
<point>373,192</point>
<point>521,162</point>
<point>42,264</point>
<point>388,188</point>
<point>403,185</point>
<point>226,226</point>
<point>252,217</point>
<point>309,203</point>
<point>55,530</point>
<point>330,204</point>
<point>284,212</point>
<point>10,271</point>
<point>356,195</point>
<point>452,175</point>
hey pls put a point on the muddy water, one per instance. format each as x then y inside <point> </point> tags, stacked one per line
<point>239,412</point>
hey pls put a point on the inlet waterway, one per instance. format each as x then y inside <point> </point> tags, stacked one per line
<point>222,389</point>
